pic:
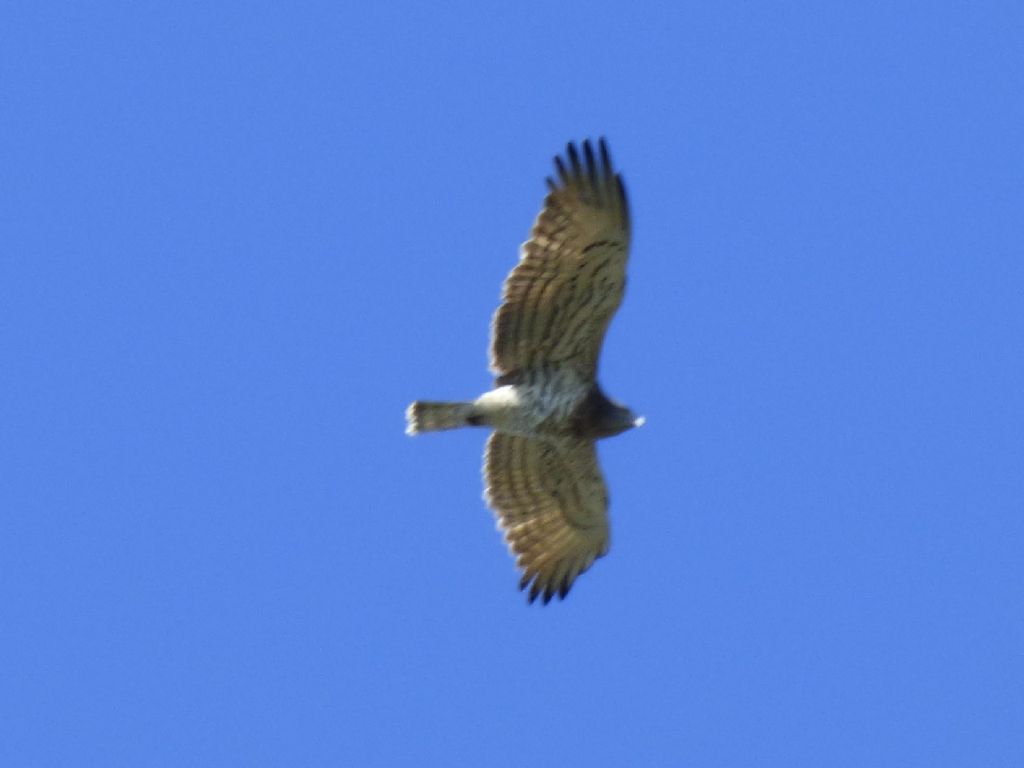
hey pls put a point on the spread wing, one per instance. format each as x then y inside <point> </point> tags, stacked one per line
<point>558,301</point>
<point>550,500</point>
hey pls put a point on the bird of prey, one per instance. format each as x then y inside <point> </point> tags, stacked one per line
<point>541,473</point>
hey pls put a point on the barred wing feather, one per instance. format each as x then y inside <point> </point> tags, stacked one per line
<point>558,301</point>
<point>550,500</point>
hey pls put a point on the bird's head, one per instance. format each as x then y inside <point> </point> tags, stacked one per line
<point>626,419</point>
<point>612,418</point>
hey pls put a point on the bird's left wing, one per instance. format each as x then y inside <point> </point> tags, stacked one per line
<point>550,500</point>
<point>557,302</point>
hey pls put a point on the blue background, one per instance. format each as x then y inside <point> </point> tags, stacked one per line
<point>238,239</point>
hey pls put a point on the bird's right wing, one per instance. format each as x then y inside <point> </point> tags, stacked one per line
<point>550,500</point>
<point>558,301</point>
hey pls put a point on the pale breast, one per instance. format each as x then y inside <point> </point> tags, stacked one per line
<point>541,401</point>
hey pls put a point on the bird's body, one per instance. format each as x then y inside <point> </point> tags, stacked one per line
<point>546,404</point>
<point>547,409</point>
<point>538,402</point>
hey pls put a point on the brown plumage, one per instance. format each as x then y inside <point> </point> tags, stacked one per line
<point>559,299</point>
<point>541,471</point>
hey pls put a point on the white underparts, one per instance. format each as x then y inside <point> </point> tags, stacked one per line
<point>500,408</point>
<point>526,407</point>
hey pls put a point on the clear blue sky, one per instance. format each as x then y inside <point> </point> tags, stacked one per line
<point>236,241</point>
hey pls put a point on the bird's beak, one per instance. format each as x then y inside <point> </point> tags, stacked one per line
<point>639,421</point>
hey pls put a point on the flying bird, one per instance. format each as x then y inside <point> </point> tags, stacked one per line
<point>541,472</point>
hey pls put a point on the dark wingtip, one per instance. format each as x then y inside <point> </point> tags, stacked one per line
<point>547,594</point>
<point>606,158</point>
<point>550,590</point>
<point>534,592</point>
<point>564,590</point>
<point>574,159</point>
<point>563,175</point>
<point>588,153</point>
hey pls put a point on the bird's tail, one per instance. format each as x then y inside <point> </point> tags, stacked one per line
<point>422,416</point>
